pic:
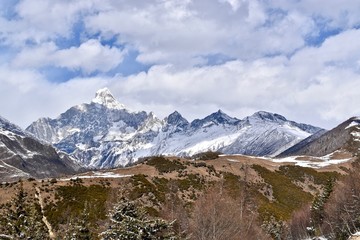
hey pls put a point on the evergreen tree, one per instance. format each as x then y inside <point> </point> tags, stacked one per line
<point>128,222</point>
<point>317,211</point>
<point>21,218</point>
<point>79,229</point>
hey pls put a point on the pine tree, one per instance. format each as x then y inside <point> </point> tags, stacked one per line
<point>79,229</point>
<point>21,218</point>
<point>128,222</point>
<point>317,209</point>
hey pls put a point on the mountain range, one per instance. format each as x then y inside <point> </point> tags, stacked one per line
<point>105,134</point>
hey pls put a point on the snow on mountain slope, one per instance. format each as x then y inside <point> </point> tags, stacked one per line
<point>210,135</point>
<point>345,136</point>
<point>11,129</point>
<point>21,155</point>
<point>267,134</point>
<point>104,97</point>
<point>105,134</point>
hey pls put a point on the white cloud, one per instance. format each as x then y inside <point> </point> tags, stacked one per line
<point>317,85</point>
<point>38,21</point>
<point>238,87</point>
<point>194,29</point>
<point>24,80</point>
<point>344,14</point>
<point>272,68</point>
<point>164,30</point>
<point>235,4</point>
<point>90,56</point>
<point>27,96</point>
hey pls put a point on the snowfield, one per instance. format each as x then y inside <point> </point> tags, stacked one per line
<point>98,175</point>
<point>318,163</point>
<point>313,162</point>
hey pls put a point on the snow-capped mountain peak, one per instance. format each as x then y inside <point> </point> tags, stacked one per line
<point>222,118</point>
<point>266,116</point>
<point>355,118</point>
<point>5,125</point>
<point>217,118</point>
<point>177,119</point>
<point>355,121</point>
<point>104,97</point>
<point>151,123</point>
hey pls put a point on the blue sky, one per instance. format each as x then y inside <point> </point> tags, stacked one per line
<point>297,58</point>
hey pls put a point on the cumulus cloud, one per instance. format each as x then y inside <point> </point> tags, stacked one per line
<point>90,56</point>
<point>330,13</point>
<point>297,58</point>
<point>235,4</point>
<point>162,31</point>
<point>317,85</point>
<point>38,21</point>
<point>27,96</point>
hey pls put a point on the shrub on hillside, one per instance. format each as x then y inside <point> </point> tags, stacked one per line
<point>217,215</point>
<point>342,210</point>
<point>71,201</point>
<point>209,155</point>
<point>128,221</point>
<point>164,165</point>
<point>288,196</point>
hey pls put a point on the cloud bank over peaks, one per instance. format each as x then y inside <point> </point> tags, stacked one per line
<point>296,58</point>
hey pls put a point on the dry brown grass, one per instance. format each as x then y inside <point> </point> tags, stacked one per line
<point>233,164</point>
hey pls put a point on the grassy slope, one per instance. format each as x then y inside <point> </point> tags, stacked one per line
<point>157,178</point>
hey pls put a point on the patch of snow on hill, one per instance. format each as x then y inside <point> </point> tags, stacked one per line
<point>97,175</point>
<point>315,163</point>
<point>352,124</point>
<point>318,162</point>
<point>317,238</point>
<point>355,236</point>
<point>356,136</point>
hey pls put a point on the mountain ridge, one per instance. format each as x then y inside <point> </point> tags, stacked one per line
<point>22,155</point>
<point>345,136</point>
<point>103,133</point>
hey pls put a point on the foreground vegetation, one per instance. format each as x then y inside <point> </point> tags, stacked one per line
<point>187,200</point>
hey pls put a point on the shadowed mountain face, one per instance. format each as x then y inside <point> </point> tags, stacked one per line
<point>346,136</point>
<point>23,156</point>
<point>104,134</point>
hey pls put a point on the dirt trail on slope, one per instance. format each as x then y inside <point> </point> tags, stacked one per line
<point>41,202</point>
